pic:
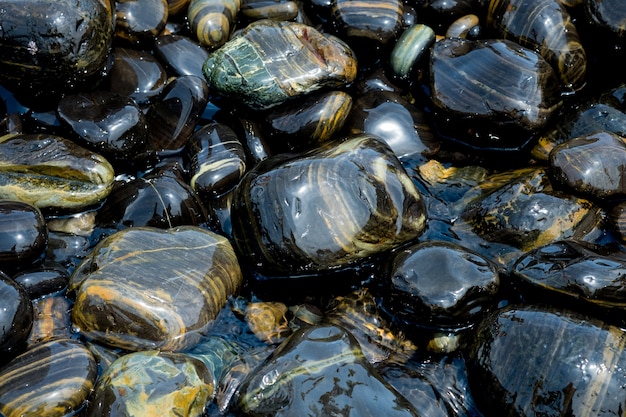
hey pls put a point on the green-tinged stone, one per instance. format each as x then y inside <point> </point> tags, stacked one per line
<point>52,172</point>
<point>152,383</point>
<point>52,379</point>
<point>146,288</point>
<point>271,61</point>
<point>408,50</point>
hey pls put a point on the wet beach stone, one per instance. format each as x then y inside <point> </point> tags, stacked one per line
<point>440,286</point>
<point>269,9</point>
<point>531,360</point>
<point>490,94</point>
<point>44,280</point>
<point>527,212</point>
<point>52,379</point>
<point>373,20</point>
<point>16,317</point>
<point>270,62</point>
<point>217,160</point>
<point>181,54</point>
<point>576,275</point>
<point>592,165</point>
<point>392,118</point>
<point>106,122</point>
<point>23,235</point>
<point>51,320</point>
<point>601,112</point>
<point>139,21</point>
<point>212,22</point>
<point>50,47</point>
<point>52,172</point>
<point>546,27</point>
<point>306,123</point>
<point>152,383</point>
<point>145,288</point>
<point>137,74</point>
<point>315,371</point>
<point>172,119</point>
<point>326,209</point>
<point>160,199</point>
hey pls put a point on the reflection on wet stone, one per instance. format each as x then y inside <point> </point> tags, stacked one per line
<point>314,371</point>
<point>222,208</point>
<point>293,214</point>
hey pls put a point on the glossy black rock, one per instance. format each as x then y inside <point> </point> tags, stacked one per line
<point>217,160</point>
<point>159,199</point>
<point>326,209</point>
<point>592,165</point>
<point>440,285</point>
<point>605,111</point>
<point>576,273</point>
<point>529,360</point>
<point>137,74</point>
<point>491,94</point>
<point>23,234</point>
<point>16,317</point>
<point>50,379</point>
<point>181,54</point>
<point>138,22</point>
<point>304,124</point>
<point>527,212</point>
<point>106,122</point>
<point>44,280</point>
<point>172,119</point>
<point>397,122</point>
<point>53,46</point>
<point>546,27</point>
<point>315,370</point>
<point>379,21</point>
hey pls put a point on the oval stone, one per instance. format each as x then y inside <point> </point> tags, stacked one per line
<point>527,212</point>
<point>375,20</point>
<point>45,280</point>
<point>491,94</point>
<point>159,199</point>
<point>529,361</point>
<point>172,119</point>
<point>325,209</point>
<point>51,379</point>
<point>49,171</point>
<point>109,123</point>
<point>579,274</point>
<point>592,165</point>
<point>440,285</point>
<point>270,62</point>
<point>16,317</point>
<point>153,383</point>
<point>137,74</point>
<point>399,123</point>
<point>54,45</point>
<point>145,288</point>
<point>23,234</point>
<point>316,372</point>
<point>547,27</point>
